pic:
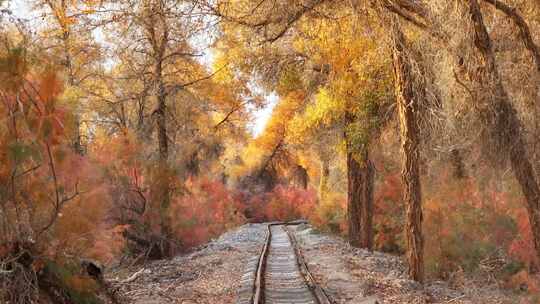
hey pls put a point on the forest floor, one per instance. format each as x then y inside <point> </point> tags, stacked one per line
<point>211,274</point>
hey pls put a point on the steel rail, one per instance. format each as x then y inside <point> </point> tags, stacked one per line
<point>318,292</point>
<point>258,295</point>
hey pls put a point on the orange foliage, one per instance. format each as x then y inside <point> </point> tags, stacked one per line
<point>53,195</point>
<point>330,214</point>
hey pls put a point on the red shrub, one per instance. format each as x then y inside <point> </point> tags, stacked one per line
<point>522,247</point>
<point>206,211</point>
<point>283,204</point>
<point>467,223</point>
<point>388,213</point>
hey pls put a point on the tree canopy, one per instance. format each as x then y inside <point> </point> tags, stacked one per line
<point>126,129</point>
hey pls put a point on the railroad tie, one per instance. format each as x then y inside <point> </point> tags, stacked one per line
<point>274,276</point>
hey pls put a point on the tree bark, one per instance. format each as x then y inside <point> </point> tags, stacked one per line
<point>494,106</point>
<point>157,32</point>
<point>523,27</point>
<point>163,195</point>
<point>501,118</point>
<point>407,105</point>
<point>300,177</point>
<point>323,182</point>
<point>456,158</point>
<point>360,175</point>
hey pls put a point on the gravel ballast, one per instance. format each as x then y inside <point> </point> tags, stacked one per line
<point>208,275</point>
<point>351,275</point>
<point>212,273</point>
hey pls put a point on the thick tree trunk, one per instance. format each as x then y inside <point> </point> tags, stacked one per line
<point>163,180</point>
<point>163,187</point>
<point>407,110</point>
<point>501,118</point>
<point>366,217</point>
<point>156,31</point>
<point>458,165</point>
<point>360,175</point>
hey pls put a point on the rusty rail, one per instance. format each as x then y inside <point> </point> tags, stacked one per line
<point>258,296</point>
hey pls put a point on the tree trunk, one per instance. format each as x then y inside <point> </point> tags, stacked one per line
<point>456,158</point>
<point>323,182</point>
<point>360,176</point>
<point>156,30</point>
<point>58,11</point>
<point>501,118</point>
<point>300,177</point>
<point>366,217</point>
<point>407,110</point>
<point>68,64</point>
<point>163,187</point>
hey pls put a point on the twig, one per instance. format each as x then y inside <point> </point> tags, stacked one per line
<point>182,86</point>
<point>133,277</point>
<point>455,299</point>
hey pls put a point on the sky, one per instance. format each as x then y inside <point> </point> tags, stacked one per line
<point>261,116</point>
<point>22,9</point>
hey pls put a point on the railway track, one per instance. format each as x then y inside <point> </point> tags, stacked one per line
<point>279,274</point>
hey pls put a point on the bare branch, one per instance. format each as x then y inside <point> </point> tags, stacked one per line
<point>58,200</point>
<point>175,88</point>
<point>228,115</point>
<point>405,13</point>
<point>524,30</point>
